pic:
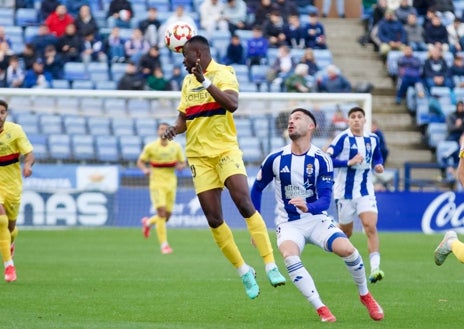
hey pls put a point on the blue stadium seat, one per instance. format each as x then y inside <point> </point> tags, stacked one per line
<point>139,107</point>
<point>30,32</point>
<point>59,146</point>
<point>122,126</point>
<point>83,147</point>
<point>26,17</point>
<point>117,70</point>
<point>323,57</point>
<point>131,147</point>
<point>68,105</point>
<point>75,125</point>
<point>106,85</point>
<point>116,107</point>
<point>92,106</point>
<point>247,86</point>
<point>251,148</point>
<point>75,71</point>
<point>146,127</point>
<point>242,72</point>
<point>107,148</point>
<point>392,62</point>
<point>94,67</point>
<point>50,124</point>
<point>244,127</point>
<point>258,75</point>
<point>60,84</point>
<point>82,84</point>
<point>99,76</point>
<point>161,5</point>
<point>99,126</point>
<point>40,144</point>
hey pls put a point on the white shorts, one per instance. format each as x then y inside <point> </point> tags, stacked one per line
<point>319,230</point>
<point>349,209</point>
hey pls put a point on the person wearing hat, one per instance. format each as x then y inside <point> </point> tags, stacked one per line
<point>303,178</point>
<point>37,77</point>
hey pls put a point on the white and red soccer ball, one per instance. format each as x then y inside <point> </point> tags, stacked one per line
<point>177,34</point>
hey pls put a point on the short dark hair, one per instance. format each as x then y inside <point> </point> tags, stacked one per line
<point>307,112</point>
<point>4,104</point>
<point>356,109</point>
<point>198,39</point>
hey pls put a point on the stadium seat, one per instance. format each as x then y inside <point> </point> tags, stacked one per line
<point>26,17</point>
<point>323,57</point>
<point>40,144</point>
<point>99,126</point>
<point>60,84</point>
<point>392,62</point>
<point>75,71</point>
<point>75,125</point>
<point>242,72</point>
<point>116,107</point>
<point>146,127</point>
<point>117,70</point>
<point>247,86</point>
<point>30,32</point>
<point>131,147</point>
<point>139,107</point>
<point>251,148</point>
<point>243,127</point>
<point>122,126</point>
<point>83,147</point>
<point>105,85</point>
<point>94,67</point>
<point>82,84</point>
<point>92,106</point>
<point>99,76</point>
<point>161,5</point>
<point>59,146</point>
<point>107,148</point>
<point>258,73</point>
<point>445,149</point>
<point>67,105</point>
<point>50,124</point>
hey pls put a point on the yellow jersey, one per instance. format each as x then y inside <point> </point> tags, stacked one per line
<point>163,160</point>
<point>13,144</point>
<point>210,127</point>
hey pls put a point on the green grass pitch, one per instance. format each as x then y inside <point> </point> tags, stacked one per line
<point>114,278</point>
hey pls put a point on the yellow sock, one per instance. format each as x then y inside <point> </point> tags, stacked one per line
<point>14,234</point>
<point>225,241</point>
<point>5,239</point>
<point>161,230</point>
<point>153,220</point>
<point>458,250</point>
<point>260,236</point>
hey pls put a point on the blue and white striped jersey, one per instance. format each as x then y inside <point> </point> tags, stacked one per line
<point>355,181</point>
<point>309,176</point>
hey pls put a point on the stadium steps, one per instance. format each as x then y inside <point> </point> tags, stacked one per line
<point>361,64</point>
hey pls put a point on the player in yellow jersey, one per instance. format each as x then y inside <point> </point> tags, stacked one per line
<point>164,157</point>
<point>13,144</point>
<point>209,97</point>
<point>450,242</point>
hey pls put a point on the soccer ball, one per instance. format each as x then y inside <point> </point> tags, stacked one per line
<point>177,34</point>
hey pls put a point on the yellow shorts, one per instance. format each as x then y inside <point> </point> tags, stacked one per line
<point>211,173</point>
<point>163,196</point>
<point>11,204</point>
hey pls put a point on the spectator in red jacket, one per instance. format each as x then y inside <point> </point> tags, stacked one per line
<point>59,20</point>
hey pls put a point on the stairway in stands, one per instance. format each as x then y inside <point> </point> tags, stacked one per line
<point>363,64</point>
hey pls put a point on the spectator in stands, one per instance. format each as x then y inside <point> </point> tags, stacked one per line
<point>5,54</point>
<point>415,34</point>
<point>309,59</point>
<point>382,141</point>
<point>273,30</point>
<point>47,7</point>
<point>235,14</point>
<point>211,17</point>
<point>286,8</point>
<point>74,6</point>
<point>177,77</point>
<point>455,35</point>
<point>157,81</point>
<point>42,39</point>
<point>404,10</point>
<point>120,14</point>
<point>295,33</point>
<point>409,72</point>
<point>14,73</point>
<point>391,34</point>
<point>257,47</point>
<point>85,22</point>
<point>53,62</point>
<point>315,33</point>
<point>340,4</point>
<point>28,56</point>
<point>150,26</point>
<point>333,81</point>
<point>444,9</point>
<point>455,129</point>
<point>149,61</point>
<point>338,122</point>
<point>457,71</point>
<point>235,52</point>
<point>378,15</point>
<point>436,34</point>
<point>421,6</point>
<point>4,38</point>
<point>37,77</point>
<point>58,20</point>
<point>282,67</point>
<point>262,12</point>
<point>298,82</point>
<point>114,46</point>
<point>436,71</point>
<point>93,50</point>
<point>131,79</point>
<point>70,45</point>
<point>136,46</point>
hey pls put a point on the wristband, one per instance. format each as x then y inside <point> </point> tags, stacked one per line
<point>206,83</point>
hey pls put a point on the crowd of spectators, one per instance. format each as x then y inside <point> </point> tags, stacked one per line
<point>131,32</point>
